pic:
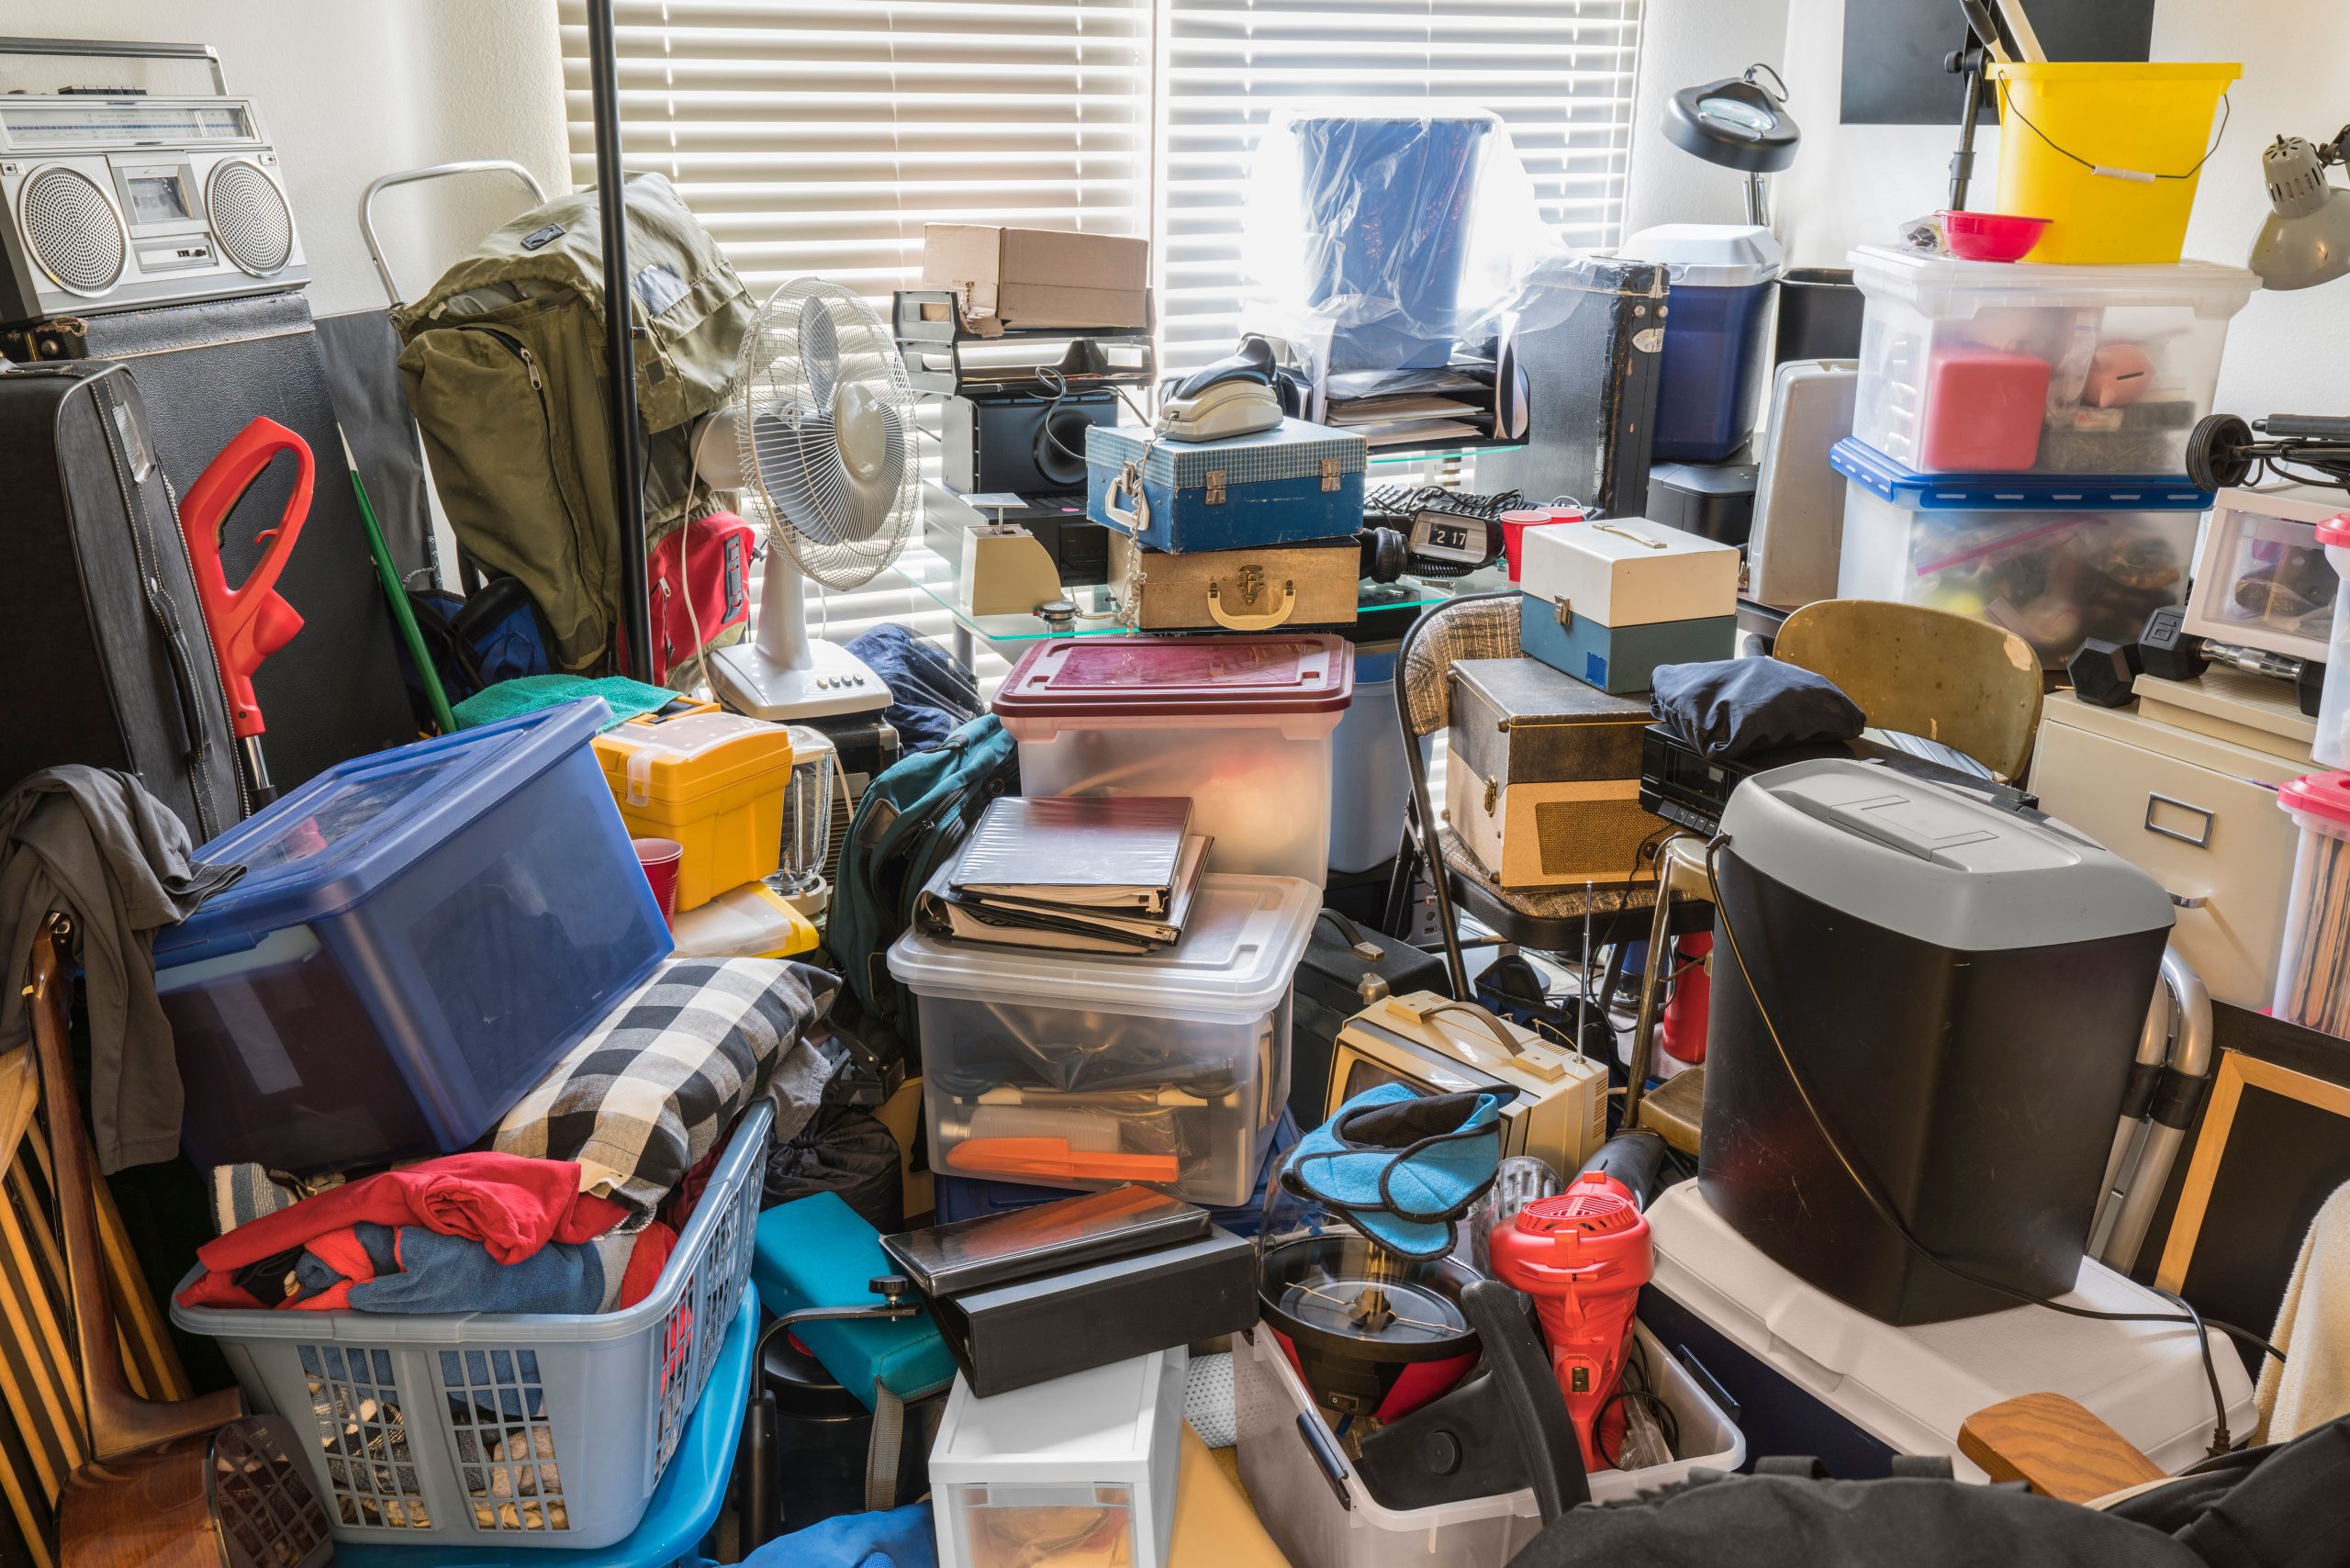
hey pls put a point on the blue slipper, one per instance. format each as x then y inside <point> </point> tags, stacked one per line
<point>1403,1166</point>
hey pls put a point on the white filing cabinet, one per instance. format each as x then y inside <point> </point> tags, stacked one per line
<point>2197,812</point>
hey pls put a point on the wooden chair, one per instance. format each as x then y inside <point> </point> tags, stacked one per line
<point>1550,920</point>
<point>2059,1448</point>
<point>1967,683</point>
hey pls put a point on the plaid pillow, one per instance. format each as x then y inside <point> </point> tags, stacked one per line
<point>655,1086</point>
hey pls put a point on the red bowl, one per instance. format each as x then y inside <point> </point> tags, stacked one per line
<point>1991,236</point>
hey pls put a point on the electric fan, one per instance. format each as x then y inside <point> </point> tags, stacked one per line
<point>822,452</point>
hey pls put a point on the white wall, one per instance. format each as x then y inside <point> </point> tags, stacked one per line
<point>1855,183</point>
<point>351,89</point>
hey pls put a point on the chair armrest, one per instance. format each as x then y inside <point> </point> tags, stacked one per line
<point>2056,1445</point>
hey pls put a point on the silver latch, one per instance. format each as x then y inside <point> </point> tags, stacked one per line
<point>1215,487</point>
<point>1564,610</point>
<point>1329,474</point>
<point>1492,796</point>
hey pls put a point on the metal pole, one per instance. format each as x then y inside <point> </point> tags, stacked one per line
<point>620,347</point>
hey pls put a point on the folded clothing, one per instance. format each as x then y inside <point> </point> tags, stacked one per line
<point>368,1267</point>
<point>1727,707</point>
<point>656,1086</point>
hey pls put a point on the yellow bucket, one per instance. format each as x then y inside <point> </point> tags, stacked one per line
<point>2109,152</point>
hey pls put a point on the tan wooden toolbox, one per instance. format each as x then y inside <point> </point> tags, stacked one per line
<point>2197,813</point>
<point>1241,590</point>
<point>1542,774</point>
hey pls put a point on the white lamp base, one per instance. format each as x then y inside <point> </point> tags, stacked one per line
<point>831,680</point>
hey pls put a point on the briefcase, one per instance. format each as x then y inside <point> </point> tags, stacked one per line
<point>1240,590</point>
<point>1542,776</point>
<point>1294,482</point>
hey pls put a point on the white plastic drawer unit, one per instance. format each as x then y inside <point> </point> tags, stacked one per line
<point>2198,815</point>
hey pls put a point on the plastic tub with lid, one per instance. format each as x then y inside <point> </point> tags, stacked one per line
<point>1080,1069</point>
<point>2312,988</point>
<point>711,780</point>
<point>1988,366</point>
<point>419,937</point>
<point>2333,742</point>
<point>1243,725</point>
<point>1717,315</point>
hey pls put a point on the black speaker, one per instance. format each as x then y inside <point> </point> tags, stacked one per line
<point>1020,445</point>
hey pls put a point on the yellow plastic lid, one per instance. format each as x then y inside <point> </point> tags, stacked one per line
<point>673,761</point>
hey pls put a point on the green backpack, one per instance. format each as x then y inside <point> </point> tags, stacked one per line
<point>504,364</point>
<point>911,820</point>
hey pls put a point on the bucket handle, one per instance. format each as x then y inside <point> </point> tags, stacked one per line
<point>2227,108</point>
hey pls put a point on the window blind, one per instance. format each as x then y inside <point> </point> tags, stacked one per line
<point>1559,73</point>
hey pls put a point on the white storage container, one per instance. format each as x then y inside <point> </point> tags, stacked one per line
<point>1315,1529</point>
<point>1909,1389</point>
<point>1083,1465</point>
<point>2262,576</point>
<point>1984,366</point>
<point>1242,725</point>
<point>1077,1069</point>
<point>1630,571</point>
<point>2053,577</point>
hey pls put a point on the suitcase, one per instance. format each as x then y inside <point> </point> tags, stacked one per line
<point>1240,590</point>
<point>1345,968</point>
<point>1543,776</point>
<point>1587,369</point>
<point>1296,481</point>
<point>98,599</point>
<point>205,369</point>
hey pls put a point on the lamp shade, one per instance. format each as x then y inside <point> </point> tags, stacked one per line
<point>2302,253</point>
<point>1733,122</point>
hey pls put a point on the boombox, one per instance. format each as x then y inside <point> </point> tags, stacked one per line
<point>108,204</point>
<point>1012,443</point>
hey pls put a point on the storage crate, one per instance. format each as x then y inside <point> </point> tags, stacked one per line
<point>520,1431</point>
<point>418,935</point>
<point>2047,369</point>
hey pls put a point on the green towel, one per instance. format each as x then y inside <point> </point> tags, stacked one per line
<point>626,698</point>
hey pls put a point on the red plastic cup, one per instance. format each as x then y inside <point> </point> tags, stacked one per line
<point>659,857</point>
<point>1516,524</point>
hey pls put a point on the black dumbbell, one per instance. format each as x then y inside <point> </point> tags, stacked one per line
<point>2105,673</point>
<point>2167,649</point>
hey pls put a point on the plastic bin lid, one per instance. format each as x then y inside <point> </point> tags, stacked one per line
<point>695,754</point>
<point>2334,530</point>
<point>2322,795</point>
<point>1900,272</point>
<point>1153,678</point>
<point>1708,256</point>
<point>1889,481</point>
<point>354,827</point>
<point>1240,947</point>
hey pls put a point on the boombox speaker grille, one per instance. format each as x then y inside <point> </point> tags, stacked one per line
<point>74,232</point>
<point>250,218</point>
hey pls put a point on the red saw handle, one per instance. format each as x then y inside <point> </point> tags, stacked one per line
<point>250,622</point>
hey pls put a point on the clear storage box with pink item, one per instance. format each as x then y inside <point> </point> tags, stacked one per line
<point>1985,367</point>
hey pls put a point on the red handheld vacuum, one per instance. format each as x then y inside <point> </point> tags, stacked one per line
<point>1582,1255</point>
<point>252,620</point>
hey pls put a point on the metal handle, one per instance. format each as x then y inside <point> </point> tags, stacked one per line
<point>110,49</point>
<point>431,171</point>
<point>1639,539</point>
<point>2201,841</point>
<point>1128,481</point>
<point>1264,623</point>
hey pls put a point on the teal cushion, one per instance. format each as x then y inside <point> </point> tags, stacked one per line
<point>818,1252</point>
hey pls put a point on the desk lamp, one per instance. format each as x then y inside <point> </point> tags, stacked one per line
<point>2305,240</point>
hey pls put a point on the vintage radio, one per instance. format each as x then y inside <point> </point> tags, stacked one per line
<point>1554,1098</point>
<point>108,204</point>
<point>1240,590</point>
<point>1542,774</point>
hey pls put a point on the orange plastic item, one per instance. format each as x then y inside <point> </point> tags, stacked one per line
<point>1045,1159</point>
<point>250,622</point>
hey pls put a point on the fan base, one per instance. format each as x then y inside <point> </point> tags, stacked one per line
<point>834,682</point>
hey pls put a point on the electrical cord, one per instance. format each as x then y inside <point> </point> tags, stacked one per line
<point>1883,1207</point>
<point>1056,383</point>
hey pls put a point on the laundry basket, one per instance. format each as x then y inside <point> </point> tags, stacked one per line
<point>517,1430</point>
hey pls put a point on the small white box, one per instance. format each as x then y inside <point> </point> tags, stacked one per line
<point>1086,1460</point>
<point>1630,571</point>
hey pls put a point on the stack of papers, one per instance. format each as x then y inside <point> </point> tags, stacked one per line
<point>1078,875</point>
<point>1430,408</point>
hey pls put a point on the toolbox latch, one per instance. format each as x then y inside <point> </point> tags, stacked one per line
<point>1215,487</point>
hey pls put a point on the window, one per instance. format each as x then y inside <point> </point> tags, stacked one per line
<point>820,136</point>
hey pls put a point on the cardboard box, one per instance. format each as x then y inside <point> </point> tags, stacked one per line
<point>1039,277</point>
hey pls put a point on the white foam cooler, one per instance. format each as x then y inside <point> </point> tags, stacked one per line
<point>1812,1376</point>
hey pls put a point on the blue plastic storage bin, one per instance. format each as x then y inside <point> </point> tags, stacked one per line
<point>1889,481</point>
<point>1709,383</point>
<point>418,935</point>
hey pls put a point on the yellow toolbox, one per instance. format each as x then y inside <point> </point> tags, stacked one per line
<point>711,780</point>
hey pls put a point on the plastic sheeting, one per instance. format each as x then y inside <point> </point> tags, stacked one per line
<point>1376,241</point>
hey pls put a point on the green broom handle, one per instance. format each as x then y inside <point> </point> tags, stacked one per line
<point>389,576</point>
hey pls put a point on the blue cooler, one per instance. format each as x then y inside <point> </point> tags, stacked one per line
<point>1722,276</point>
<point>419,937</point>
<point>1386,205</point>
<point>1284,486</point>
